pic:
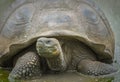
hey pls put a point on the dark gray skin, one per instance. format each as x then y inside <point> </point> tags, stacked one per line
<point>27,65</point>
<point>61,55</point>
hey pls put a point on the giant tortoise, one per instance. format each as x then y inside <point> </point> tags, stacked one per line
<point>56,35</point>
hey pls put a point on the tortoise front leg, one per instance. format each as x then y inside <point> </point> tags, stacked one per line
<point>27,66</point>
<point>95,68</point>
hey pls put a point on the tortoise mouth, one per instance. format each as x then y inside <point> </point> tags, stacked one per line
<point>48,52</point>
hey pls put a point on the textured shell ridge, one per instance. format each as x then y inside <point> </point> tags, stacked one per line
<point>78,19</point>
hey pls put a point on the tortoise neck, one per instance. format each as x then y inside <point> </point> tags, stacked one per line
<point>58,63</point>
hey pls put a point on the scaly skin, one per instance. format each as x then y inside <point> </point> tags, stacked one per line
<point>26,67</point>
<point>95,68</point>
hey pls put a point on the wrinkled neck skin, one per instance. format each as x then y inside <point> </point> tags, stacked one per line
<point>72,52</point>
<point>64,60</point>
<point>58,63</point>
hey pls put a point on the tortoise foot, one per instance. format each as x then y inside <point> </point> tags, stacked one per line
<point>95,68</point>
<point>26,67</point>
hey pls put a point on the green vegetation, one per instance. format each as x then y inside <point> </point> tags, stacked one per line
<point>3,75</point>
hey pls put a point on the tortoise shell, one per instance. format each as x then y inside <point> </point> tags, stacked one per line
<point>77,19</point>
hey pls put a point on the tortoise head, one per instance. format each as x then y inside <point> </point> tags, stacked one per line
<point>47,47</point>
